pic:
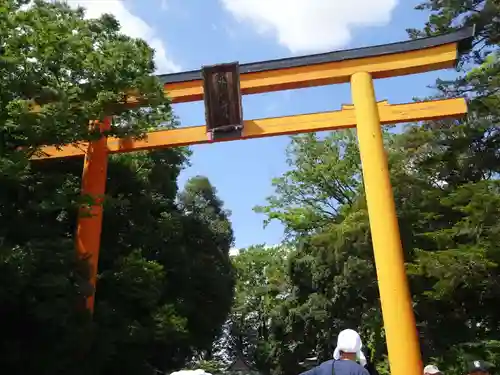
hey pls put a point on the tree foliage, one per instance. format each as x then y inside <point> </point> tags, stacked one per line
<point>449,234</point>
<point>261,284</point>
<point>445,181</point>
<point>165,278</point>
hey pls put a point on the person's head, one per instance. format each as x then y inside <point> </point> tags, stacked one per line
<point>478,368</point>
<point>432,370</point>
<point>349,347</point>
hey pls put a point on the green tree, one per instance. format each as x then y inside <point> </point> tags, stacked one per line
<point>444,175</point>
<point>462,156</point>
<point>448,233</point>
<point>324,175</point>
<point>466,151</point>
<point>164,271</point>
<point>262,284</point>
<point>165,277</point>
<point>331,271</point>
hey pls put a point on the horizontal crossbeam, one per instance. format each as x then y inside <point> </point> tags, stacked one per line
<point>382,61</point>
<point>268,127</point>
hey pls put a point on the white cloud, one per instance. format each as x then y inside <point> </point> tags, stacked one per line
<point>311,25</point>
<point>132,26</point>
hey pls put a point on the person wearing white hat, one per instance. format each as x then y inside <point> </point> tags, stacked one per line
<point>432,370</point>
<point>345,355</point>
<point>349,346</point>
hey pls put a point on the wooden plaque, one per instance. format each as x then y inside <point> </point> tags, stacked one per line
<point>222,94</point>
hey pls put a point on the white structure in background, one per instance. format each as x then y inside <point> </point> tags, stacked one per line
<point>191,372</point>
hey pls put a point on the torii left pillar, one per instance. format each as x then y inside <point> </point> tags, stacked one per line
<point>88,233</point>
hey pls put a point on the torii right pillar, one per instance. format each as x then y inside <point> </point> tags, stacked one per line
<point>399,321</point>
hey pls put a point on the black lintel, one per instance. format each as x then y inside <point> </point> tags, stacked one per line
<point>461,36</point>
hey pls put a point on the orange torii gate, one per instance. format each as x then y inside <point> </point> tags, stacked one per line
<point>223,86</point>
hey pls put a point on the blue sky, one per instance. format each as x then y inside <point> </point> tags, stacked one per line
<point>191,33</point>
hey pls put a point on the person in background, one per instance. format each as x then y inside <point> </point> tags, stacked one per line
<point>347,352</point>
<point>479,368</point>
<point>432,370</point>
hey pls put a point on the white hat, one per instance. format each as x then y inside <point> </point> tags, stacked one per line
<point>349,342</point>
<point>431,369</point>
